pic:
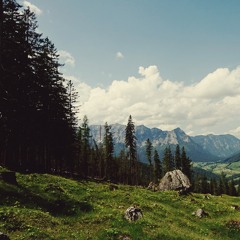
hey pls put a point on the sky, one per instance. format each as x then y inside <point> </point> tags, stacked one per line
<point>168,63</point>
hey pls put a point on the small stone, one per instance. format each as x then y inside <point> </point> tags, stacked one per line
<point>133,213</point>
<point>113,187</point>
<point>200,213</point>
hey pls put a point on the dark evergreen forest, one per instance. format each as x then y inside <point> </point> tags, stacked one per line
<point>39,130</point>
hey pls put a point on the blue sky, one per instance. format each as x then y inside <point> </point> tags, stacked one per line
<point>180,44</point>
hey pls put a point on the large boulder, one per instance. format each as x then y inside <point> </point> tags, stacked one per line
<point>174,180</point>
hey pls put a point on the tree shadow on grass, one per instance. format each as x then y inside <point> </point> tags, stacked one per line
<point>54,202</point>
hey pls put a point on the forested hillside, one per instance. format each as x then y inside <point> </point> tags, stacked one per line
<point>39,130</point>
<point>37,121</point>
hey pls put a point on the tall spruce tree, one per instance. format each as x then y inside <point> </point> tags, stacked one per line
<point>84,147</point>
<point>213,186</point>
<point>157,167</point>
<point>168,161</point>
<point>149,149</point>
<point>130,143</point>
<point>186,164</point>
<point>223,184</point>
<point>238,188</point>
<point>232,188</point>
<point>177,158</point>
<point>108,150</point>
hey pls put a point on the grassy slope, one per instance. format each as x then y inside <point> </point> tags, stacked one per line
<point>230,169</point>
<point>51,207</point>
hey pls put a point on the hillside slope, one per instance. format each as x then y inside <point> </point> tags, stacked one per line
<point>51,207</point>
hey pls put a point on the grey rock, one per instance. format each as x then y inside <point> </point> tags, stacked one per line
<point>133,213</point>
<point>200,213</point>
<point>174,180</point>
<point>152,186</point>
<point>235,207</point>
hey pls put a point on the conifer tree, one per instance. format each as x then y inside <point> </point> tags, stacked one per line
<point>238,188</point>
<point>177,158</point>
<point>157,167</point>
<point>108,150</point>
<point>223,184</point>
<point>130,143</point>
<point>186,164</point>
<point>84,147</point>
<point>36,128</point>
<point>205,186</point>
<point>232,188</point>
<point>149,156</point>
<point>168,161</point>
<point>213,186</point>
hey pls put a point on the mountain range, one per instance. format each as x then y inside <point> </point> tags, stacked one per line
<point>209,148</point>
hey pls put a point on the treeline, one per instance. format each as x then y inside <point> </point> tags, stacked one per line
<point>215,186</point>
<point>98,160</point>
<point>37,119</point>
<point>38,124</point>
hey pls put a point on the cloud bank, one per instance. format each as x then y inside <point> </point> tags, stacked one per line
<point>32,7</point>
<point>209,106</point>
<point>66,58</point>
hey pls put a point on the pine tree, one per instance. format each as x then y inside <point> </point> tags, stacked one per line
<point>186,164</point>
<point>232,188</point>
<point>123,174</point>
<point>108,150</point>
<point>168,161</point>
<point>130,143</point>
<point>84,149</point>
<point>157,167</point>
<point>213,186</point>
<point>149,156</point>
<point>205,188</point>
<point>238,188</point>
<point>223,184</point>
<point>177,158</point>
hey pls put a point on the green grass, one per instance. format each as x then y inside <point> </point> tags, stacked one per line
<point>49,207</point>
<point>230,169</point>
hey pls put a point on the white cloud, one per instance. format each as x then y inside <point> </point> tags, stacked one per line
<point>66,58</point>
<point>235,132</point>
<point>82,88</point>
<point>32,7</point>
<point>211,105</point>
<point>119,55</point>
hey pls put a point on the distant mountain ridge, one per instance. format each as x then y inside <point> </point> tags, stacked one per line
<point>220,145</point>
<point>208,148</point>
